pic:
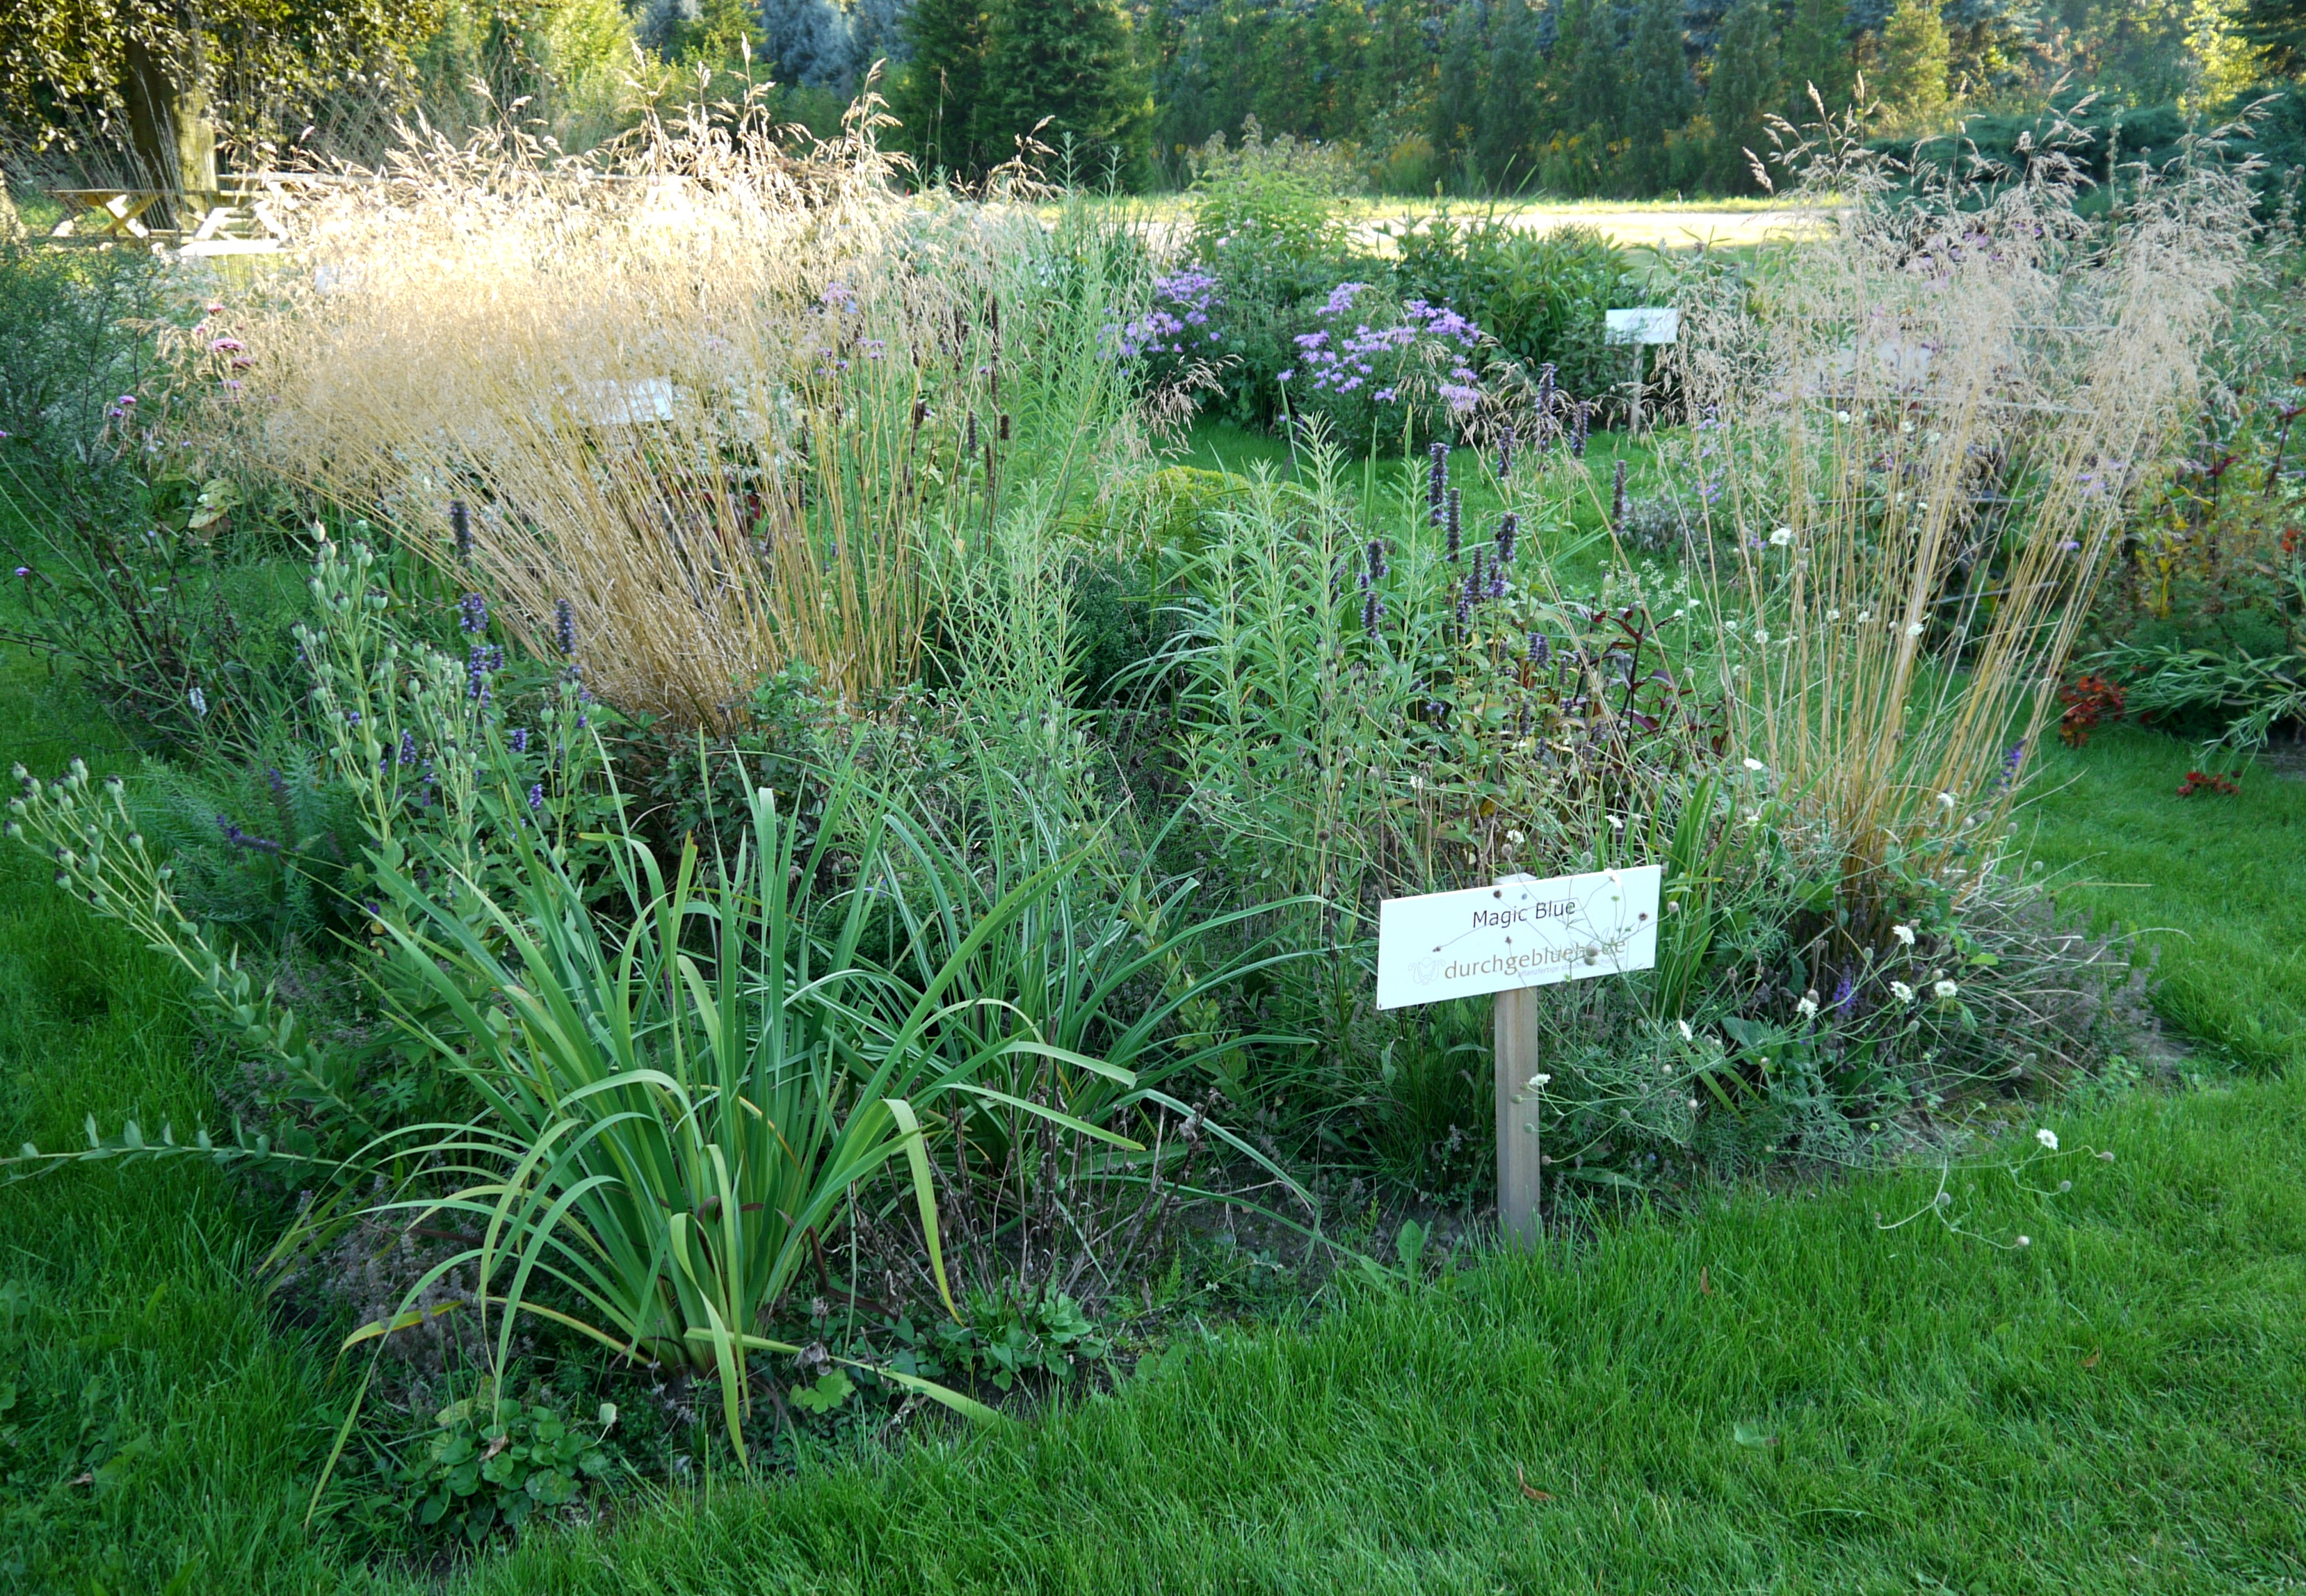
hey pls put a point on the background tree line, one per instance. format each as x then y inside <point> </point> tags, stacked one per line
<point>1631,98</point>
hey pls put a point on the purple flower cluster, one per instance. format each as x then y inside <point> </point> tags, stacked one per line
<point>481,662</point>
<point>1343,363</point>
<point>240,839</point>
<point>473,613</point>
<point>1183,302</point>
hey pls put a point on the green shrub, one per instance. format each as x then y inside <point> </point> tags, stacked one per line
<point>1539,296</point>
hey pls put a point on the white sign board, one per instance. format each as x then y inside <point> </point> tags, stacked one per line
<point>1519,933</point>
<point>1648,324</point>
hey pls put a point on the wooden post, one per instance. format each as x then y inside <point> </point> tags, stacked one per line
<point>1518,1173</point>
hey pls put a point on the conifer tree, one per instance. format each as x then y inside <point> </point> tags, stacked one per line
<point>1914,52</point>
<point>1508,141</point>
<point>1744,88</point>
<point>1069,61</point>
<point>1818,54</point>
<point>1659,94</point>
<point>936,93</point>
<point>1457,91</point>
<point>1592,93</point>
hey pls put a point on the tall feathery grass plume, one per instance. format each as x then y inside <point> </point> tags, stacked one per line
<point>1917,430</point>
<point>728,392</point>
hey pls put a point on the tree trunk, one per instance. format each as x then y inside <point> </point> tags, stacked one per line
<point>168,125</point>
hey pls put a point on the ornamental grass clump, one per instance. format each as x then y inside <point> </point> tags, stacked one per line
<point>1916,442</point>
<point>732,400</point>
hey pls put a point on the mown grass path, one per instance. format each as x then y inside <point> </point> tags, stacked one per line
<point>1775,1393</point>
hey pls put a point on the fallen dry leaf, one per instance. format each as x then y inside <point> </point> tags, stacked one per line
<point>87,1479</point>
<point>2096,1353</point>
<point>1704,1283</point>
<point>1526,1489</point>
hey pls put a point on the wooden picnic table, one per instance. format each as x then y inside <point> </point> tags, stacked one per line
<point>113,210</point>
<point>214,223</point>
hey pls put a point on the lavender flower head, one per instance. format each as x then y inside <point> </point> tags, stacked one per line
<point>536,798</point>
<point>240,839</point>
<point>2011,764</point>
<point>460,523</point>
<point>1618,498</point>
<point>1376,555</point>
<point>1437,480</point>
<point>1373,612</point>
<point>518,739</point>
<point>1540,650</point>
<point>1451,519</point>
<point>1509,532</point>
<point>407,752</point>
<point>1474,585</point>
<point>473,613</point>
<point>1580,419</point>
<point>1504,454</point>
<point>564,628</point>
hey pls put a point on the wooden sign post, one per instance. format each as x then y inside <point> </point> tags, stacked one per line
<point>1507,939</point>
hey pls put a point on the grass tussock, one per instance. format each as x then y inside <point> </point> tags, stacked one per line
<point>724,392</point>
<point>1914,447</point>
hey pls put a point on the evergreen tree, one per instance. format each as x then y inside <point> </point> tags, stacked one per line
<point>1744,88</point>
<point>2277,29</point>
<point>1915,51</point>
<point>806,39</point>
<point>1592,93</point>
<point>1659,97</point>
<point>1506,145</point>
<point>1397,74</point>
<point>936,94</point>
<point>1457,91</point>
<point>720,34</point>
<point>1072,62</point>
<point>1818,54</point>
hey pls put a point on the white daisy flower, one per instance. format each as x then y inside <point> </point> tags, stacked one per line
<point>1946,989</point>
<point>2047,1138</point>
<point>1904,933</point>
<point>1905,992</point>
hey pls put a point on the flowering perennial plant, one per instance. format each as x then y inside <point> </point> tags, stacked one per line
<point>1372,368</point>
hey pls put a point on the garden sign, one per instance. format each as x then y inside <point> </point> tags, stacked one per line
<point>1509,939</point>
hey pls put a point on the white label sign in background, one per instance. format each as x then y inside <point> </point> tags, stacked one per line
<point>1643,324</point>
<point>1516,933</point>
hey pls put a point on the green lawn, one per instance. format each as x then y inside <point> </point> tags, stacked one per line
<point>2216,884</point>
<point>1773,1394</point>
